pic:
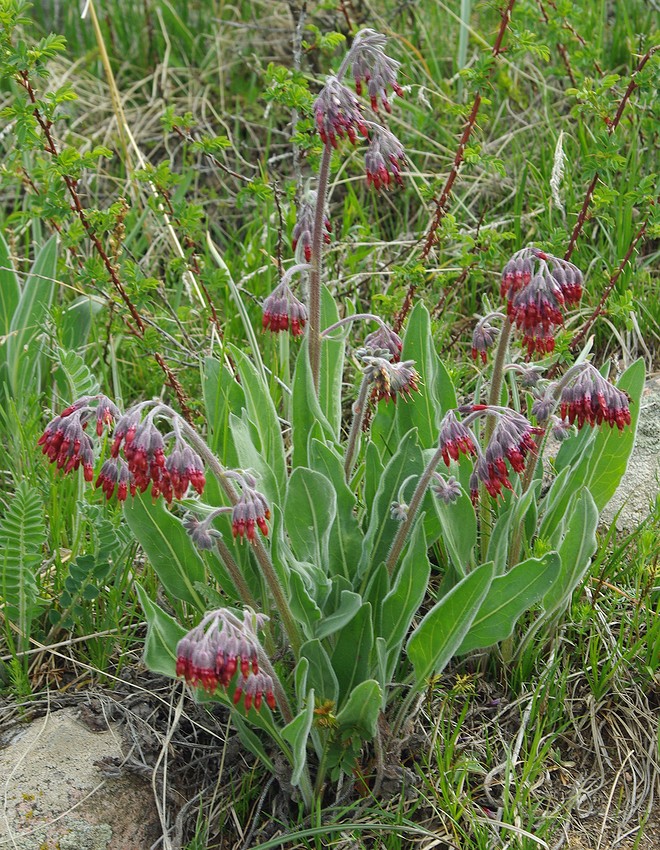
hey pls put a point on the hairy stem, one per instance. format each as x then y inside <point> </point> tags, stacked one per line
<point>416,500</point>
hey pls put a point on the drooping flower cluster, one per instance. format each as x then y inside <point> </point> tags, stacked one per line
<point>538,288</point>
<point>454,438</point>
<point>282,311</point>
<point>221,648</point>
<point>338,114</point>
<point>65,441</point>
<point>592,400</point>
<point>371,65</point>
<point>384,158</point>
<point>383,342</point>
<point>301,238</point>
<point>483,338</point>
<point>511,440</point>
<point>251,511</point>
<point>144,462</point>
<point>390,380</point>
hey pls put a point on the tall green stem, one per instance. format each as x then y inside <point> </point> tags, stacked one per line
<point>494,398</point>
<point>314,327</point>
<point>415,502</point>
<point>261,554</point>
<point>359,410</point>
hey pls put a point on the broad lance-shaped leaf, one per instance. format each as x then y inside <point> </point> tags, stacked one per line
<point>332,365</point>
<point>263,415</point>
<point>612,448</point>
<point>309,512</point>
<point>351,659</point>
<point>459,530</point>
<point>306,412</point>
<point>345,535</point>
<point>163,634</point>
<point>405,597</point>
<point>509,596</point>
<point>222,395</point>
<point>406,462</point>
<point>296,733</point>
<point>361,710</point>
<point>420,410</point>
<point>168,547</point>
<point>441,632</point>
<point>320,674</point>
<point>575,551</point>
<point>10,294</point>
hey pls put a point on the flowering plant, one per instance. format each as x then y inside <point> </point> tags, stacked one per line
<point>317,548</point>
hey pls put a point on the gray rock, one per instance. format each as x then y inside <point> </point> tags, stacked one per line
<point>53,796</point>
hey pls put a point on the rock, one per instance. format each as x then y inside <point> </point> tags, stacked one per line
<point>641,484</point>
<point>54,796</point>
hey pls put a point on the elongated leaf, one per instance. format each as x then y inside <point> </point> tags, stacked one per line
<point>509,596</point>
<point>10,293</point>
<point>362,709</point>
<point>612,448</point>
<point>296,733</point>
<point>575,552</point>
<point>303,607</point>
<point>309,512</point>
<point>407,462</point>
<point>403,601</point>
<point>168,547</point>
<point>306,412</point>
<point>351,659</point>
<point>262,414</point>
<point>345,541</point>
<point>163,634</point>
<point>459,530</point>
<point>22,536</point>
<point>332,365</point>
<point>27,324</point>
<point>348,607</point>
<point>320,674</point>
<point>421,409</point>
<point>373,473</point>
<point>222,395</point>
<point>250,457</point>
<point>441,632</point>
<point>76,321</point>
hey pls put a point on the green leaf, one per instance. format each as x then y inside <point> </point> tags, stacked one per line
<point>263,415</point>
<point>10,293</point>
<point>407,461</point>
<point>403,601</point>
<point>303,607</point>
<point>351,659</point>
<point>373,473</point>
<point>250,457</point>
<point>349,605</point>
<point>612,448</point>
<point>251,741</point>
<point>305,410</point>
<point>320,674</point>
<point>168,547</point>
<point>575,551</point>
<point>345,535</point>
<point>163,635</point>
<point>441,632</point>
<point>332,366</point>
<point>421,408</point>
<point>24,344</point>
<point>362,709</point>
<point>296,733</point>
<point>222,395</point>
<point>459,530</point>
<point>509,596</point>
<point>309,512</point>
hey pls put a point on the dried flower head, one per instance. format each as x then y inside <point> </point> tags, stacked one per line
<point>390,379</point>
<point>202,534</point>
<point>383,341</point>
